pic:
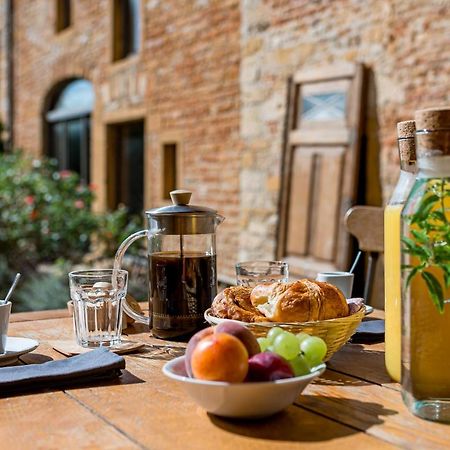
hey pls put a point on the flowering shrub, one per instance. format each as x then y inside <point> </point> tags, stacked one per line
<point>45,214</point>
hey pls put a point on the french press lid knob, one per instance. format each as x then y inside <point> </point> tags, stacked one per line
<point>182,218</point>
<point>180,197</point>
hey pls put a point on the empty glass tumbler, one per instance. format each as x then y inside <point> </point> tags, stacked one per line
<point>97,297</point>
<point>251,273</point>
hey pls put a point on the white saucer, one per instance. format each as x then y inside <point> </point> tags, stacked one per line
<point>15,347</point>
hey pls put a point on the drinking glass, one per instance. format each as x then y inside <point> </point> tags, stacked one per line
<point>97,297</point>
<point>252,273</point>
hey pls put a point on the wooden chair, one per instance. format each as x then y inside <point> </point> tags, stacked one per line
<point>366,224</point>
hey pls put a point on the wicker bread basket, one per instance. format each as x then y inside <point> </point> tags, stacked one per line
<point>335,332</point>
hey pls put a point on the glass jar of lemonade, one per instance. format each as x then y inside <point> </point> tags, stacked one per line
<point>407,150</point>
<point>426,272</point>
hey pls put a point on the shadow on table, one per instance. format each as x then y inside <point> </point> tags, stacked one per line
<point>361,361</point>
<point>136,328</point>
<point>124,379</point>
<point>35,358</point>
<point>356,413</point>
<point>329,378</point>
<point>162,352</point>
<point>304,423</point>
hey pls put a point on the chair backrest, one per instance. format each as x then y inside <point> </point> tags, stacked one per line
<point>366,224</point>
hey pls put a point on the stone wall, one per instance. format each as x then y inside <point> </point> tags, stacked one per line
<point>400,41</point>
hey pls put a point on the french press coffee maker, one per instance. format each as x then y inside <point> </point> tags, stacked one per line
<point>181,266</point>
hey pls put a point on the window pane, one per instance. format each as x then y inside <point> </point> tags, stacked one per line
<point>126,24</point>
<point>74,146</point>
<point>169,169</point>
<point>126,166</point>
<point>63,15</point>
<point>328,106</point>
<point>57,140</point>
<point>76,95</point>
<point>133,162</point>
<point>134,25</point>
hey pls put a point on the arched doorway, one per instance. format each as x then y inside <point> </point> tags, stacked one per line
<point>68,126</point>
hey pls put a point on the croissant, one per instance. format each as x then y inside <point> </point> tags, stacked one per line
<point>300,301</point>
<point>234,303</point>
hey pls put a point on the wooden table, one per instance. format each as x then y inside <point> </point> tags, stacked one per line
<point>354,405</point>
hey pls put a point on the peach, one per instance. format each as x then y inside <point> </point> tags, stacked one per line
<point>242,333</point>
<point>191,346</point>
<point>220,357</point>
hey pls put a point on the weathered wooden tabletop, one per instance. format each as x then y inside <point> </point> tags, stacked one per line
<point>353,405</point>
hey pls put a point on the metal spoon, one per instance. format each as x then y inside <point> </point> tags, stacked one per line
<point>11,289</point>
<point>356,261</point>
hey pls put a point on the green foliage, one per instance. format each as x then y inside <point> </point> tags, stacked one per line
<point>114,228</point>
<point>44,214</point>
<point>429,242</point>
<point>46,217</point>
<point>42,291</point>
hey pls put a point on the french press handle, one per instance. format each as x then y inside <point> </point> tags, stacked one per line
<point>141,318</point>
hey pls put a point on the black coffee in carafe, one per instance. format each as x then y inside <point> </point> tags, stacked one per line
<point>181,289</point>
<point>181,246</point>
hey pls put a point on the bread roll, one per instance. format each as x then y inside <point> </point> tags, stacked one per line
<point>301,301</point>
<point>334,303</point>
<point>234,303</point>
<point>260,294</point>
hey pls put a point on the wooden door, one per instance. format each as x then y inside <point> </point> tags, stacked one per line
<point>321,165</point>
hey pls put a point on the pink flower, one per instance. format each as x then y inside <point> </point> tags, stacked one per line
<point>29,200</point>
<point>79,204</point>
<point>65,173</point>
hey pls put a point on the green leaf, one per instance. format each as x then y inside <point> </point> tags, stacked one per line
<point>414,249</point>
<point>435,290</point>
<point>424,208</point>
<point>413,272</point>
<point>446,270</point>
<point>421,236</point>
<point>438,215</point>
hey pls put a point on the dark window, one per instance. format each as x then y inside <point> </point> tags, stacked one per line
<point>126,28</point>
<point>126,166</point>
<point>63,15</point>
<point>69,127</point>
<point>169,169</point>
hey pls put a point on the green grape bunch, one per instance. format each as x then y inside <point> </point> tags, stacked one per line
<point>302,351</point>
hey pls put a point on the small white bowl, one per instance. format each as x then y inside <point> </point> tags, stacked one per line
<point>249,400</point>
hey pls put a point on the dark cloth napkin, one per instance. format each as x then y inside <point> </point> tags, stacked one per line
<point>369,332</point>
<point>98,364</point>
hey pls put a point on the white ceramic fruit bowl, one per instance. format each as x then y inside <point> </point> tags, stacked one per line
<point>240,400</point>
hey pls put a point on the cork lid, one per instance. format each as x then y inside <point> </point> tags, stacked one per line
<point>406,129</point>
<point>406,132</point>
<point>433,118</point>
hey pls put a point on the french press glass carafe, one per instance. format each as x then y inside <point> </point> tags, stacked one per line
<point>181,266</point>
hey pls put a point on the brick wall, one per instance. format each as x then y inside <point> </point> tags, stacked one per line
<point>401,41</point>
<point>184,82</point>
